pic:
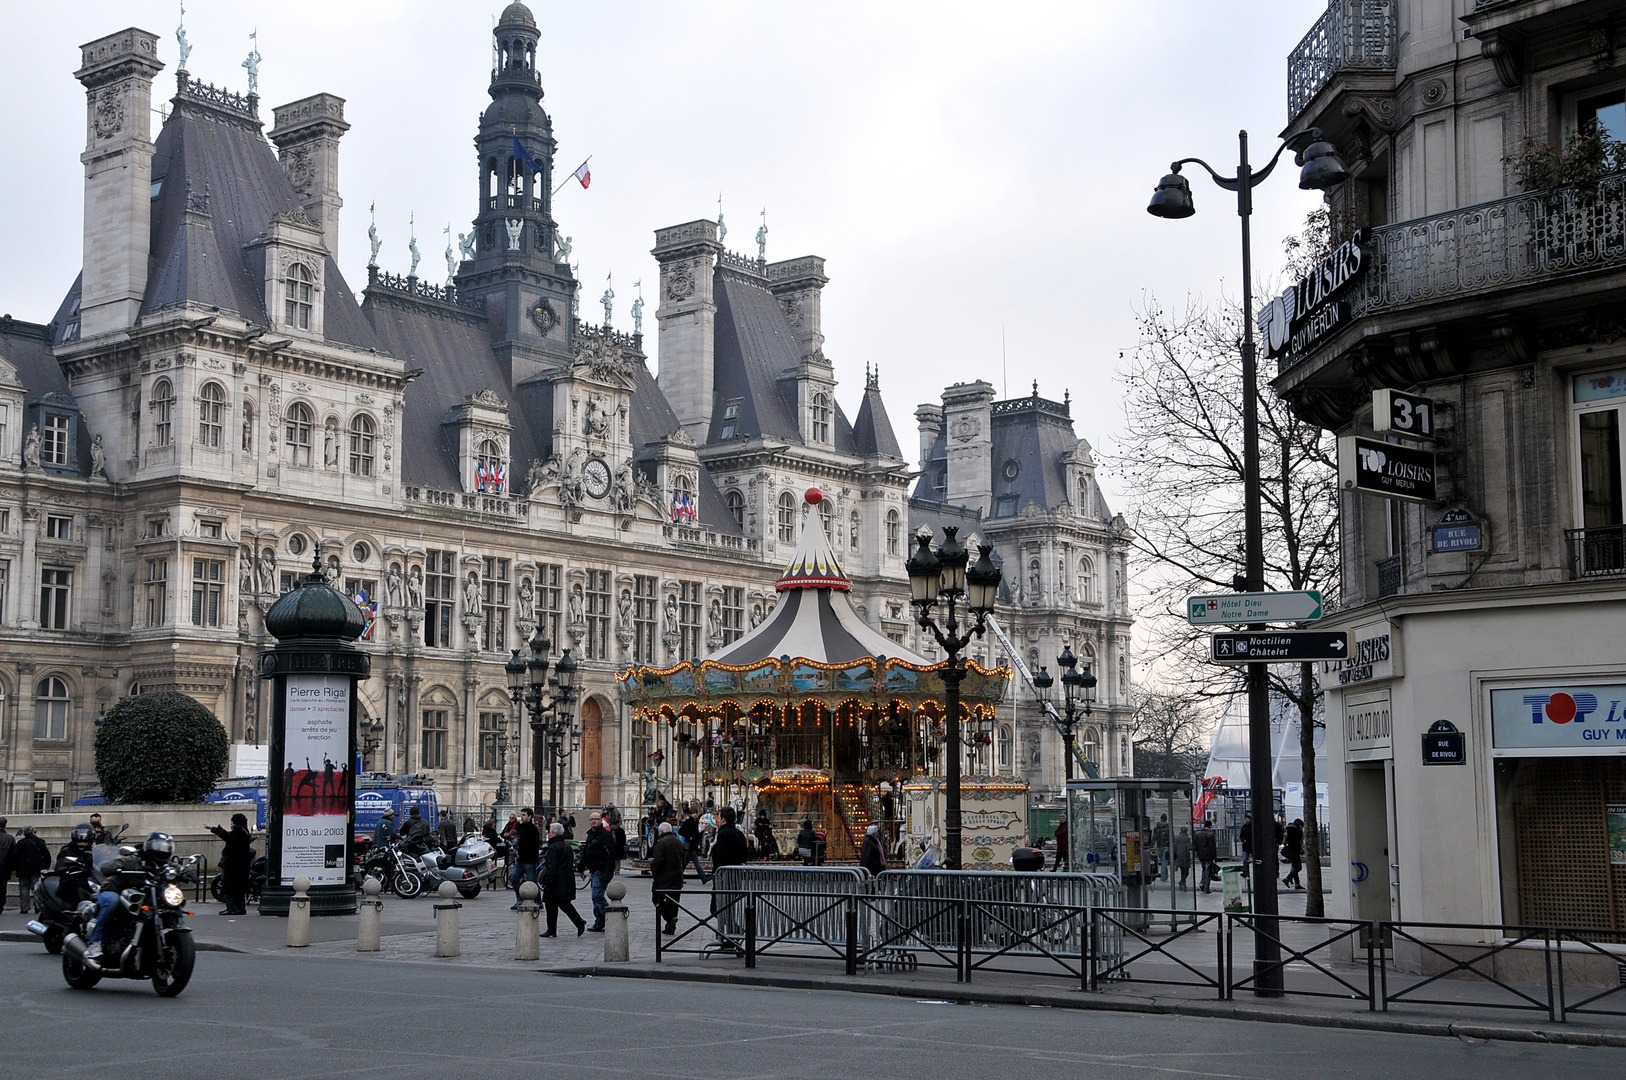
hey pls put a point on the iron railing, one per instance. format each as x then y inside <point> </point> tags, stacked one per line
<point>1596,552</point>
<point>1350,34</point>
<point>1391,575</point>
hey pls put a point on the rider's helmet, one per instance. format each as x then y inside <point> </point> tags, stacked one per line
<point>159,846</point>
<point>81,838</point>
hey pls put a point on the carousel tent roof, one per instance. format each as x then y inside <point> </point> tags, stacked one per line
<point>814,619</point>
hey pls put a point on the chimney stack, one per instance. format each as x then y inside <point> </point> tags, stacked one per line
<point>117,72</point>
<point>307,134</point>
<point>688,322</point>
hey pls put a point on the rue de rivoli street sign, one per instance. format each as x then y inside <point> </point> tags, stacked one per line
<point>1239,609</point>
<point>1382,468</point>
<point>1279,646</point>
<point>1458,530</point>
<point>1443,744</point>
<point>1403,414</point>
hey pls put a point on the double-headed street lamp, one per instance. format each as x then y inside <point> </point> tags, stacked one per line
<point>942,577</point>
<point>552,717</point>
<point>1322,169</point>
<point>1077,690</point>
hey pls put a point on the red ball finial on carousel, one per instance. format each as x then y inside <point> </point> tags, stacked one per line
<point>814,496</point>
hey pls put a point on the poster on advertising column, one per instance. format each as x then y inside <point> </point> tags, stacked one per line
<point>316,779</point>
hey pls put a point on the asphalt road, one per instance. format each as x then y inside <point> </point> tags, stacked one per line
<point>290,1018</point>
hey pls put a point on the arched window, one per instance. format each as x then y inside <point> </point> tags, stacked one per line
<point>163,412</point>
<point>736,507</point>
<point>825,519</point>
<point>489,473</point>
<point>296,305</point>
<point>852,531</point>
<point>894,532</point>
<point>51,709</point>
<point>787,517</point>
<point>211,404</point>
<point>299,434</point>
<point>361,445</point>
<point>821,418</point>
<point>1086,574</point>
<point>1004,739</point>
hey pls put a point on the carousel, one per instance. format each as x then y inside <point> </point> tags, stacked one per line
<point>813,714</point>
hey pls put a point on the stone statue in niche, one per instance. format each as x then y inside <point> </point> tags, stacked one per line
<point>98,459</point>
<point>515,227</point>
<point>415,588</point>
<point>757,615</point>
<point>330,443</point>
<point>623,609</point>
<point>330,572</point>
<point>714,624</point>
<point>669,627</point>
<point>596,420</point>
<point>268,573</point>
<point>31,447</point>
<point>578,612</point>
<point>392,586</point>
<point>525,602</point>
<point>472,605</point>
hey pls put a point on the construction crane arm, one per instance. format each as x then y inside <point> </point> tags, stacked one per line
<point>1049,709</point>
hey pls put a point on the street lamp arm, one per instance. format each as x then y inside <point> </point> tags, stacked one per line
<point>1295,142</point>
<point>1229,183</point>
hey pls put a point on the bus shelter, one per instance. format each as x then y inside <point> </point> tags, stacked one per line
<point>1134,827</point>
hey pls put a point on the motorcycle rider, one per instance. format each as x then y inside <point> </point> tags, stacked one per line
<point>384,833</point>
<point>417,836</point>
<point>157,848</point>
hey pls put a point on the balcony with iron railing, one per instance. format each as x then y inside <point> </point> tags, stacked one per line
<point>1350,35</point>
<point>1596,552</point>
<point>1477,250</point>
<point>1391,576</point>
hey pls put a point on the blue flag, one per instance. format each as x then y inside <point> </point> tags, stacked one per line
<point>524,157</point>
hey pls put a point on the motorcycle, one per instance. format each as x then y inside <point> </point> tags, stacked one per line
<point>395,870</point>
<point>256,882</point>
<point>468,868</point>
<point>144,937</point>
<point>58,894</point>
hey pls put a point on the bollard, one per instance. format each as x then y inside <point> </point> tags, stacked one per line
<point>446,940</point>
<point>370,929</point>
<point>299,914</point>
<point>616,949</point>
<point>527,944</point>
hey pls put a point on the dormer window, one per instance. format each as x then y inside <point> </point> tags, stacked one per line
<point>731,419</point>
<point>54,440</point>
<point>736,507</point>
<point>821,418</point>
<point>490,472</point>
<point>296,308</point>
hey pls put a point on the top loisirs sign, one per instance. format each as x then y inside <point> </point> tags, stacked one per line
<point>1311,310</point>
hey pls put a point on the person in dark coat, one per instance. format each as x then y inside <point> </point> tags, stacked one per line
<point>666,863</point>
<point>1205,845</point>
<point>1293,852</point>
<point>448,834</point>
<point>807,843</point>
<point>559,882</point>
<point>598,859</point>
<point>29,858</point>
<point>767,846</point>
<point>234,864</point>
<point>729,848</point>
<point>7,842</point>
<point>1246,843</point>
<point>1182,855</point>
<point>1062,855</point>
<point>871,856</point>
<point>417,836</point>
<point>527,850</point>
<point>689,833</point>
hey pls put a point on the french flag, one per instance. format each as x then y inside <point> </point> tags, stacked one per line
<point>584,174</point>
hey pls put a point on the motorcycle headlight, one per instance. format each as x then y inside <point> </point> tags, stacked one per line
<point>173,896</point>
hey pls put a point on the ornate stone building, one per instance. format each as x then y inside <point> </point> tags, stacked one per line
<point>1013,474</point>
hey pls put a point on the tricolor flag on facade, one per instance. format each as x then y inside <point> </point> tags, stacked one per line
<point>584,174</point>
<point>490,476</point>
<point>369,612</point>
<point>685,511</point>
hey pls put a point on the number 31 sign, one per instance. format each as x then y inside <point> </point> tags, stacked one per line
<point>1403,414</point>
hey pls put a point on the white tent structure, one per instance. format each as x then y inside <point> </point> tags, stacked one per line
<point>1228,752</point>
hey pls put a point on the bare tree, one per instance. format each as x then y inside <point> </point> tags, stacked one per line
<point>1182,459</point>
<point>1169,734</point>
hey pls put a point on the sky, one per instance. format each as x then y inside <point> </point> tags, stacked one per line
<point>975,175</point>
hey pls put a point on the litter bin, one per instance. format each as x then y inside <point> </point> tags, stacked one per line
<point>1237,889</point>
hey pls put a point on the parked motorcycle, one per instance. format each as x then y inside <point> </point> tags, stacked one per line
<point>396,871</point>
<point>472,865</point>
<point>142,934</point>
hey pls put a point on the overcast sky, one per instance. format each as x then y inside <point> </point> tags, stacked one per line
<point>974,174</point>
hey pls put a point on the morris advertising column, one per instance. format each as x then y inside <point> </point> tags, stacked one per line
<point>311,793</point>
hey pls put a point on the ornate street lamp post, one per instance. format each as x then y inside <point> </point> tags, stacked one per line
<point>942,577</point>
<point>1077,695</point>
<point>1322,169</point>
<point>551,712</point>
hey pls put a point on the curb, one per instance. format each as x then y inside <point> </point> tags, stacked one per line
<point>202,946</point>
<point>1217,1010</point>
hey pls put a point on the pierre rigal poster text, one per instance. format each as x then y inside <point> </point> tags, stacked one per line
<point>316,779</point>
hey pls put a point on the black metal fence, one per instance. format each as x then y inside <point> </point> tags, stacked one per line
<point>1095,947</point>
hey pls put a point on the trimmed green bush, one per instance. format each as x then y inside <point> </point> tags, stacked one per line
<point>162,747</point>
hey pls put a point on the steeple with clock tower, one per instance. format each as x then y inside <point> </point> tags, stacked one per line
<point>518,269</point>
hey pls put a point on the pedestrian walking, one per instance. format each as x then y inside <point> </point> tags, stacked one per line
<point>1160,843</point>
<point>598,859</point>
<point>1182,855</point>
<point>871,856</point>
<point>689,833</point>
<point>1063,858</point>
<point>527,851</point>
<point>1246,843</point>
<point>29,858</point>
<point>666,863</point>
<point>235,860</point>
<point>559,881</point>
<point>767,846</point>
<point>1206,847</point>
<point>1293,852</point>
<point>7,842</point>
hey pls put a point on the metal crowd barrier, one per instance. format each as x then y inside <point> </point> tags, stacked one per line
<point>1006,930</point>
<point>800,910</point>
